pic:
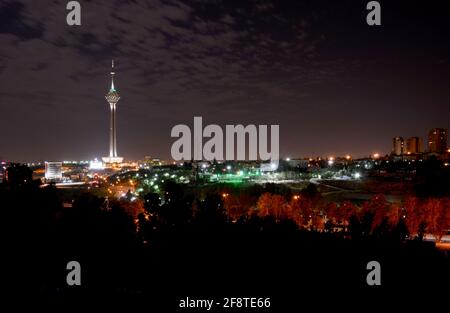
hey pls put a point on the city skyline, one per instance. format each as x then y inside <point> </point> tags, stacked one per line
<point>334,85</point>
<point>214,155</point>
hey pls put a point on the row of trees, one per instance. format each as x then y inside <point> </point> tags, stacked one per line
<point>415,217</point>
<point>178,205</point>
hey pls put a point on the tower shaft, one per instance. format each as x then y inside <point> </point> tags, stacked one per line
<point>112,132</point>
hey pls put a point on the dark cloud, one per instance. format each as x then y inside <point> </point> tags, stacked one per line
<point>11,21</point>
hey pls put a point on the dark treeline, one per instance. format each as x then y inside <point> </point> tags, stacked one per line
<point>177,243</point>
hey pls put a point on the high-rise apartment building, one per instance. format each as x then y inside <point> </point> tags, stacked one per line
<point>437,140</point>
<point>414,145</point>
<point>398,146</point>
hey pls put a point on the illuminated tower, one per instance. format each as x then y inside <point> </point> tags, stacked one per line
<point>112,97</point>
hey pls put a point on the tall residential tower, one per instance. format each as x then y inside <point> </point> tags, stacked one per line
<point>398,146</point>
<point>414,145</point>
<point>112,97</point>
<point>437,140</point>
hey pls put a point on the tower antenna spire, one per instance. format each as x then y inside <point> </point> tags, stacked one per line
<point>112,75</point>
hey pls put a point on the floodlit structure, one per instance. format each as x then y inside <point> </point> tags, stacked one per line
<point>414,145</point>
<point>96,165</point>
<point>53,171</point>
<point>398,146</point>
<point>112,97</point>
<point>437,140</point>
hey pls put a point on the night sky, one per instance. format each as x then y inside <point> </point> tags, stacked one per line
<point>334,84</point>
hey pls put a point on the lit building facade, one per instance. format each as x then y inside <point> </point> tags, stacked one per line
<point>437,140</point>
<point>53,171</point>
<point>3,167</point>
<point>414,145</point>
<point>398,146</point>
